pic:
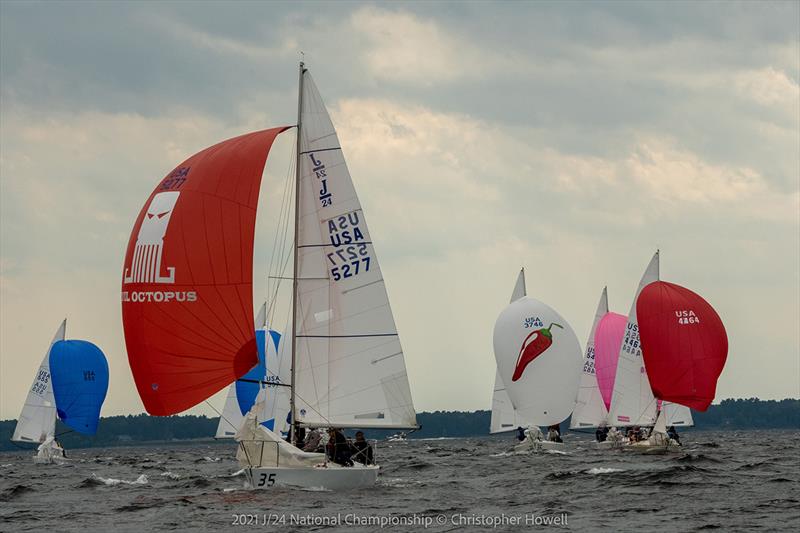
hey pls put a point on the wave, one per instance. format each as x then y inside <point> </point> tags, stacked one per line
<point>170,475</point>
<point>15,492</point>
<point>141,480</point>
<point>601,470</point>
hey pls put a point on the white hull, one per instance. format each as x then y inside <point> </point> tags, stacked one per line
<point>538,446</point>
<point>610,445</point>
<point>49,460</point>
<point>331,477</point>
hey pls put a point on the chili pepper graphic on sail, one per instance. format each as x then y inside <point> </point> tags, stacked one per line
<point>534,345</point>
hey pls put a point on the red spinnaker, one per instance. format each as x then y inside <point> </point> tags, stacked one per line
<point>187,282</point>
<point>684,344</point>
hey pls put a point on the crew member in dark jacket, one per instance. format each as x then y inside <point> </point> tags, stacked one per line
<point>362,451</point>
<point>338,449</point>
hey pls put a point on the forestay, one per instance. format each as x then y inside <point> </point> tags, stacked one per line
<point>590,411</point>
<point>37,421</point>
<point>350,369</point>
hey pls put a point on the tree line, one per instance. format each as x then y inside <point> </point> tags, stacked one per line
<point>741,414</point>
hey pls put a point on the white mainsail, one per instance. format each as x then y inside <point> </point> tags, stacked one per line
<point>590,410</point>
<point>350,370</point>
<point>632,402</point>
<point>504,416</point>
<point>37,421</point>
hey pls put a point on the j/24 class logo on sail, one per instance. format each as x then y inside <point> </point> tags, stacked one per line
<point>319,170</point>
<point>687,316</point>
<point>350,256</point>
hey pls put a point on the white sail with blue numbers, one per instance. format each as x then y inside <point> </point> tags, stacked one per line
<point>37,421</point>
<point>349,364</point>
<point>590,411</point>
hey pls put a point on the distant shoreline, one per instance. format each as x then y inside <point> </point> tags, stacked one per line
<point>139,430</point>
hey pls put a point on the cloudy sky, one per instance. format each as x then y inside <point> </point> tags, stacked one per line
<point>570,138</point>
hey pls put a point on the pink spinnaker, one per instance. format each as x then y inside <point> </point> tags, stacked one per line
<point>607,342</point>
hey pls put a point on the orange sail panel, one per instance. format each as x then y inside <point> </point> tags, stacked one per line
<point>684,344</point>
<point>187,282</point>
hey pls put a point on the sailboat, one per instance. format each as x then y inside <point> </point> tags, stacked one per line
<point>71,384</point>
<point>187,300</point>
<point>590,409</point>
<point>539,361</point>
<point>266,383</point>
<point>633,402</point>
<point>504,417</point>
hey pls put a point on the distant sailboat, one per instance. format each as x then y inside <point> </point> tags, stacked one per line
<point>188,305</point>
<point>71,384</point>
<point>590,409</point>
<point>538,358</point>
<point>267,384</point>
<point>632,401</point>
<point>504,417</point>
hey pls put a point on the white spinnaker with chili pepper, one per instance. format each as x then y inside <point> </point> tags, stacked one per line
<point>504,416</point>
<point>544,389</point>
<point>350,369</point>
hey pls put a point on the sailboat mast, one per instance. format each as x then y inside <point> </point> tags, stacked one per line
<point>292,435</point>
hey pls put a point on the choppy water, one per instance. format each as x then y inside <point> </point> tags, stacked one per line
<point>728,480</point>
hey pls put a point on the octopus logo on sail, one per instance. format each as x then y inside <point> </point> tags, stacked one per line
<point>146,263</point>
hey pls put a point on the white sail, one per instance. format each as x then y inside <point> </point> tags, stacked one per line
<point>539,359</point>
<point>504,416</point>
<point>350,369</point>
<point>272,399</point>
<point>632,402</point>
<point>590,410</point>
<point>231,418</point>
<point>37,421</point>
<point>676,414</point>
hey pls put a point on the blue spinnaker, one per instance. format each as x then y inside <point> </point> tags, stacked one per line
<point>79,373</point>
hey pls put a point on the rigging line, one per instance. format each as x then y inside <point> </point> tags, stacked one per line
<point>282,223</point>
<point>64,433</point>
<point>282,252</point>
<point>222,416</point>
<point>348,336</point>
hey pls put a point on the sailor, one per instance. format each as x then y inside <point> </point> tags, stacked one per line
<point>673,434</point>
<point>520,433</point>
<point>362,451</point>
<point>312,442</point>
<point>338,449</point>
<point>601,434</point>
<point>554,433</point>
